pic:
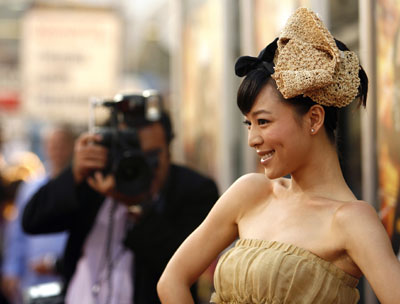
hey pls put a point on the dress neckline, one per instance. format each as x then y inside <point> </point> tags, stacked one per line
<point>347,278</point>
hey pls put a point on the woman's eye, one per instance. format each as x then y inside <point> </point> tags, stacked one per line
<point>247,123</point>
<point>263,121</point>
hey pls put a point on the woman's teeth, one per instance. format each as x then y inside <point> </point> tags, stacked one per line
<point>267,156</point>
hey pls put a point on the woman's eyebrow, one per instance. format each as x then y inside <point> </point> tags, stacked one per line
<point>260,112</point>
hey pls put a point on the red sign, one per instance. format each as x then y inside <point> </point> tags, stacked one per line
<point>9,101</point>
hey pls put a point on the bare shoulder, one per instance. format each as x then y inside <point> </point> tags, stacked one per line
<point>245,192</point>
<point>353,211</point>
<point>357,218</point>
<point>252,185</point>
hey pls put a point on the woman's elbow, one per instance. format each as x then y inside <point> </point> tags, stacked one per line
<point>162,288</point>
<point>172,290</point>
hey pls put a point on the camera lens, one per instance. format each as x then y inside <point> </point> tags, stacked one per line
<point>133,174</point>
<point>132,167</point>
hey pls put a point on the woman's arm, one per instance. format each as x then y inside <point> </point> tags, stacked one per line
<point>202,247</point>
<point>368,244</point>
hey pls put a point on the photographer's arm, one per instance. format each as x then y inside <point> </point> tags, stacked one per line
<point>52,206</point>
<point>56,206</point>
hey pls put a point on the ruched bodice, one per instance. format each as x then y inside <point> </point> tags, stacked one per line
<point>258,271</point>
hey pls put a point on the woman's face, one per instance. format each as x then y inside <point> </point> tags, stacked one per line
<point>277,133</point>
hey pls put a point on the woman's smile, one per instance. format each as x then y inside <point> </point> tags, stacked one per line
<point>265,155</point>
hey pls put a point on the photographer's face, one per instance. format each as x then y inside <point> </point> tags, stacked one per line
<point>152,138</point>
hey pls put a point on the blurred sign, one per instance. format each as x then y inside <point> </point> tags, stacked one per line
<point>9,101</point>
<point>9,89</point>
<point>68,55</point>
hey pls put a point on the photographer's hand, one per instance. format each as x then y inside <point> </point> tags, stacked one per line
<point>103,184</point>
<point>88,156</point>
<point>89,159</point>
<point>106,186</point>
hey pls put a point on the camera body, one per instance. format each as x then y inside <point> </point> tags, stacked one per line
<point>132,168</point>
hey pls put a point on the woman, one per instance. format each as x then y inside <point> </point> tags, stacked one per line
<point>306,239</point>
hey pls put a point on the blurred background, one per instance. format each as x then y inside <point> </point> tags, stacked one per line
<point>56,55</point>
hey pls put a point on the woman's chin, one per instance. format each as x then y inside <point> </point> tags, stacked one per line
<point>270,174</point>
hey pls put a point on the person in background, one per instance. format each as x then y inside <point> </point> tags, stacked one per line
<point>3,202</point>
<point>126,207</point>
<point>303,239</point>
<point>30,260</point>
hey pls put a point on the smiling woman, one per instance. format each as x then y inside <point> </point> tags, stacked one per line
<point>306,239</point>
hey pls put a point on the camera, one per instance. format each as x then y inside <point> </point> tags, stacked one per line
<point>132,168</point>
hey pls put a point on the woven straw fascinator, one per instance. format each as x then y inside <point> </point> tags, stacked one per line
<point>308,62</point>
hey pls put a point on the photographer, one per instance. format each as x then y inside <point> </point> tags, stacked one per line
<point>126,208</point>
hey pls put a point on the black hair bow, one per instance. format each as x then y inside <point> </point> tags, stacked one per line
<point>245,64</point>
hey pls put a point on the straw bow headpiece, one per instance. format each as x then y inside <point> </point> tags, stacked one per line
<point>308,63</point>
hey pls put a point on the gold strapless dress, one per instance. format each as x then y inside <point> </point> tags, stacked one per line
<point>270,272</point>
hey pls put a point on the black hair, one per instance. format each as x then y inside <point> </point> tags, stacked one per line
<point>258,71</point>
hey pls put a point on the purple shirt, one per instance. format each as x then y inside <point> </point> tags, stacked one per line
<point>97,278</point>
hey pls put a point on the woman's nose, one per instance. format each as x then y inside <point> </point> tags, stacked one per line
<point>254,138</point>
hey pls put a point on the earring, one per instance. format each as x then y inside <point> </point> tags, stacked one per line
<point>312,130</point>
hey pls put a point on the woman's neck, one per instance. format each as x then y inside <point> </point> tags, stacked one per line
<point>321,175</point>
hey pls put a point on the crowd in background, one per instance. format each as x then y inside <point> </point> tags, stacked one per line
<point>27,261</point>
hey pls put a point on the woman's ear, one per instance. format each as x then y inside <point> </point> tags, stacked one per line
<point>315,118</point>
